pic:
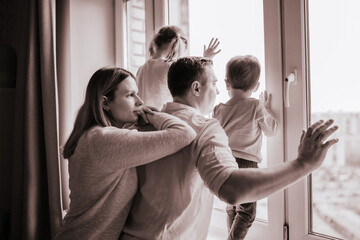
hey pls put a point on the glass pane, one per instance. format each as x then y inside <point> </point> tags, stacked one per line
<point>239,27</point>
<point>136,37</point>
<point>334,37</point>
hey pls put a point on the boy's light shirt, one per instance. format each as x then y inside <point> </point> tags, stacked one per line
<point>244,121</point>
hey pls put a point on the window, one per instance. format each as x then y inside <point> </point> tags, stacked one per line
<point>202,26</point>
<point>327,201</point>
<point>136,34</point>
<point>243,34</point>
<point>134,28</point>
<point>333,57</point>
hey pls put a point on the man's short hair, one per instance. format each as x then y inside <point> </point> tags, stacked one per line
<point>183,72</point>
<point>243,72</point>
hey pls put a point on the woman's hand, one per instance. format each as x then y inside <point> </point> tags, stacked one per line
<point>210,51</point>
<point>143,112</point>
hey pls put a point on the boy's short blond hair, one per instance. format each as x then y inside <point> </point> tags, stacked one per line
<point>243,72</point>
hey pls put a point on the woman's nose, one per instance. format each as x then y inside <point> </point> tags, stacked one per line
<point>139,101</point>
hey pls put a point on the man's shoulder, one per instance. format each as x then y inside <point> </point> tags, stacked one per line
<point>196,120</point>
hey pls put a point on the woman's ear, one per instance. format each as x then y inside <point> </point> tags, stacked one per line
<point>105,103</point>
<point>195,88</point>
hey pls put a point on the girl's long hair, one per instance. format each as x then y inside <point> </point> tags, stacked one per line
<point>165,36</point>
<point>103,82</point>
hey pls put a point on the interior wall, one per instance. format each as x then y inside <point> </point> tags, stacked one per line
<point>85,43</point>
<point>92,43</point>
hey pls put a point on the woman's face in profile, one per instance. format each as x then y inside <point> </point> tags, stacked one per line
<point>126,102</point>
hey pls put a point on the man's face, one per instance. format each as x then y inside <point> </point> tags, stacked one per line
<point>208,91</point>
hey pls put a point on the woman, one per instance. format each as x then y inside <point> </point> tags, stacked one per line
<point>103,155</point>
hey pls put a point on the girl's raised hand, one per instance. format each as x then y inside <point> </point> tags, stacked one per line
<point>210,51</point>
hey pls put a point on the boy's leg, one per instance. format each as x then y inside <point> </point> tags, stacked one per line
<point>245,216</point>
<point>230,210</point>
<point>245,213</point>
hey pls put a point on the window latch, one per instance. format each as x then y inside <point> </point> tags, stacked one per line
<point>290,79</point>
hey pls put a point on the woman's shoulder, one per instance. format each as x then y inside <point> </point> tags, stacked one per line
<point>99,131</point>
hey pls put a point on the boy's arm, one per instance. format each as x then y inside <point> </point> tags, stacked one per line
<point>266,121</point>
<point>264,116</point>
<point>248,185</point>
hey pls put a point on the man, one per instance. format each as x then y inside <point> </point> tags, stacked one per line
<point>175,195</point>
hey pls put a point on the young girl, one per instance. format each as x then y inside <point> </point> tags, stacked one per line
<point>167,45</point>
<point>103,156</point>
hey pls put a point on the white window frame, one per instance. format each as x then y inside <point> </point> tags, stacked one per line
<point>120,33</point>
<point>296,52</point>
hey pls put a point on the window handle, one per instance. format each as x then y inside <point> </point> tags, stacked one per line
<point>290,79</point>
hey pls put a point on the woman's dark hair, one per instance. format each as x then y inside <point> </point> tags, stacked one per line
<point>103,82</point>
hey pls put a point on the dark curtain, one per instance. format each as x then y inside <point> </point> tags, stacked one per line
<point>36,200</point>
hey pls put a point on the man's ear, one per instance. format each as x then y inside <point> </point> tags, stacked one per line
<point>195,88</point>
<point>105,103</point>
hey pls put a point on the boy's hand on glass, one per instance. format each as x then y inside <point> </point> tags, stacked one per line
<point>265,98</point>
<point>210,51</point>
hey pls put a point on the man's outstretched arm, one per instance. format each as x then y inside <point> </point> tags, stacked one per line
<point>249,185</point>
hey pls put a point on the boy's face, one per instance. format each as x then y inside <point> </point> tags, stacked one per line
<point>208,91</point>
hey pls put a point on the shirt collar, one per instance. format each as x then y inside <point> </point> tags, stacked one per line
<point>175,106</point>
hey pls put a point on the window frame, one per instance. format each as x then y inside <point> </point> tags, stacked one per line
<point>296,53</point>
